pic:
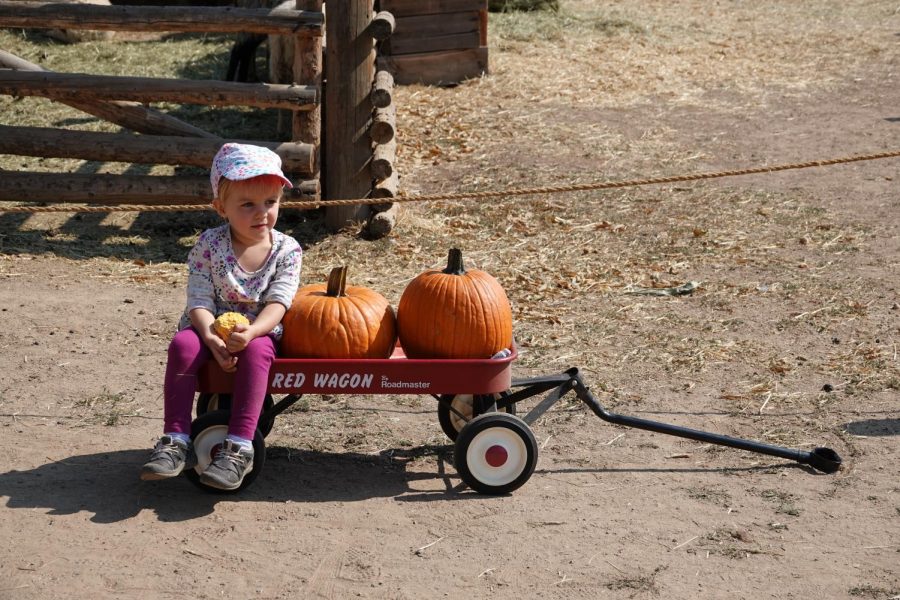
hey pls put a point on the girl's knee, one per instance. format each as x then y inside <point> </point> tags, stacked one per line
<point>185,346</point>
<point>260,349</point>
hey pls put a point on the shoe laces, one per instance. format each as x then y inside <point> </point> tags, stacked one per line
<point>232,454</point>
<point>168,448</point>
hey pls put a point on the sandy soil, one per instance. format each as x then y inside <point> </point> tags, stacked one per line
<point>359,497</point>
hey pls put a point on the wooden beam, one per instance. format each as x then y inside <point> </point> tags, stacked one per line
<point>130,115</point>
<point>436,43</point>
<point>421,26</point>
<point>106,189</point>
<point>77,86</point>
<point>383,156</point>
<point>406,8</point>
<point>438,68</point>
<point>146,149</point>
<point>389,188</point>
<point>382,223</point>
<point>349,72</point>
<point>383,124</point>
<point>382,89</point>
<point>63,15</point>
<point>382,26</point>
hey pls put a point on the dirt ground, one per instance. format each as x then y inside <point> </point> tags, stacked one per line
<point>790,339</point>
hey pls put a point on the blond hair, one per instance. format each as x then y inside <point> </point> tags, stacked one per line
<point>255,185</point>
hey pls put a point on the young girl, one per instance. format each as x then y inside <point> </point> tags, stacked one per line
<point>243,266</point>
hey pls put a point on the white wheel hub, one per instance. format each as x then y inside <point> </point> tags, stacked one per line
<point>497,456</point>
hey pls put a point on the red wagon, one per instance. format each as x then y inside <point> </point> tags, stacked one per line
<point>495,451</point>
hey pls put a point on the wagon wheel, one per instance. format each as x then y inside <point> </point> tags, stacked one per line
<point>216,401</point>
<point>210,402</point>
<point>207,433</point>
<point>464,404</point>
<point>495,453</point>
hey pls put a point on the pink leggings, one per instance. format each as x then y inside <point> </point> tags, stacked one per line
<point>187,353</point>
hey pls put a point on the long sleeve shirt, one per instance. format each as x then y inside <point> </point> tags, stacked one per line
<point>218,283</point>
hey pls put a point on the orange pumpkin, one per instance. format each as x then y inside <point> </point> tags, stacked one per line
<point>454,313</point>
<point>335,321</point>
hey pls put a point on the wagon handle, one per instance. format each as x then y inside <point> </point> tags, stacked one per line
<point>825,460</point>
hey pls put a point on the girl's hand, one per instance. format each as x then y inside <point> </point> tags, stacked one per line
<point>240,336</point>
<point>220,352</point>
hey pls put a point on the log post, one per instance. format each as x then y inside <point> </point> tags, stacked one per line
<point>382,89</point>
<point>382,223</point>
<point>389,188</point>
<point>350,70</point>
<point>383,156</point>
<point>307,125</point>
<point>383,124</point>
<point>382,26</point>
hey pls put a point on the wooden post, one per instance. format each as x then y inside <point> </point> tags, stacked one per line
<point>383,89</point>
<point>383,158</point>
<point>350,70</point>
<point>382,26</point>
<point>383,223</point>
<point>383,124</point>
<point>307,125</point>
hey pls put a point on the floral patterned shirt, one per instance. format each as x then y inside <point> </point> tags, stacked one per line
<point>218,283</point>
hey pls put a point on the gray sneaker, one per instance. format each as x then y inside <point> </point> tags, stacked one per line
<point>228,468</point>
<point>170,457</point>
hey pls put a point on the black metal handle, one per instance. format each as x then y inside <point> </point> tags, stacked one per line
<point>825,460</point>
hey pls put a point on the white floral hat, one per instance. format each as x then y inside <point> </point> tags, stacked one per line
<point>244,161</point>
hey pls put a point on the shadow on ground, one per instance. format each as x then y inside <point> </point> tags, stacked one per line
<point>149,237</point>
<point>107,484</point>
<point>874,427</point>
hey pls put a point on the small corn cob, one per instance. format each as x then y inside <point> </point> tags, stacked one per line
<point>225,323</point>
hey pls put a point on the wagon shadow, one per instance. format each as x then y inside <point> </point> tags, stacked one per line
<point>107,484</point>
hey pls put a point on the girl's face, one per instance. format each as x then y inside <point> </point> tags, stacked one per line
<point>250,208</point>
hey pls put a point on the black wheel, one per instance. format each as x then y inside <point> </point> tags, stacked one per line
<point>208,432</point>
<point>495,453</point>
<point>452,423</point>
<point>216,401</point>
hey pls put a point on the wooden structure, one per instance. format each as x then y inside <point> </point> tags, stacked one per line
<point>342,168</point>
<point>436,41</point>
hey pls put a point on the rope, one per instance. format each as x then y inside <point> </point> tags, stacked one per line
<point>313,204</point>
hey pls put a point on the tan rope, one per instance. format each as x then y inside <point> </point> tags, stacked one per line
<point>313,204</point>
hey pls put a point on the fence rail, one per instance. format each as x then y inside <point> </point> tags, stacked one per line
<point>14,13</point>
<point>347,171</point>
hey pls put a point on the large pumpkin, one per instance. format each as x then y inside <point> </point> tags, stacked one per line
<point>454,313</point>
<point>335,321</point>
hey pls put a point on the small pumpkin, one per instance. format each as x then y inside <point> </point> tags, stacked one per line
<point>224,324</point>
<point>454,313</point>
<point>332,320</point>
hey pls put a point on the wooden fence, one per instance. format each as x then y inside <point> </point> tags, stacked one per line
<point>436,41</point>
<point>356,162</point>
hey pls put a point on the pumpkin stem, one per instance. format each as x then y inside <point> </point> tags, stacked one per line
<point>455,263</point>
<point>337,282</point>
